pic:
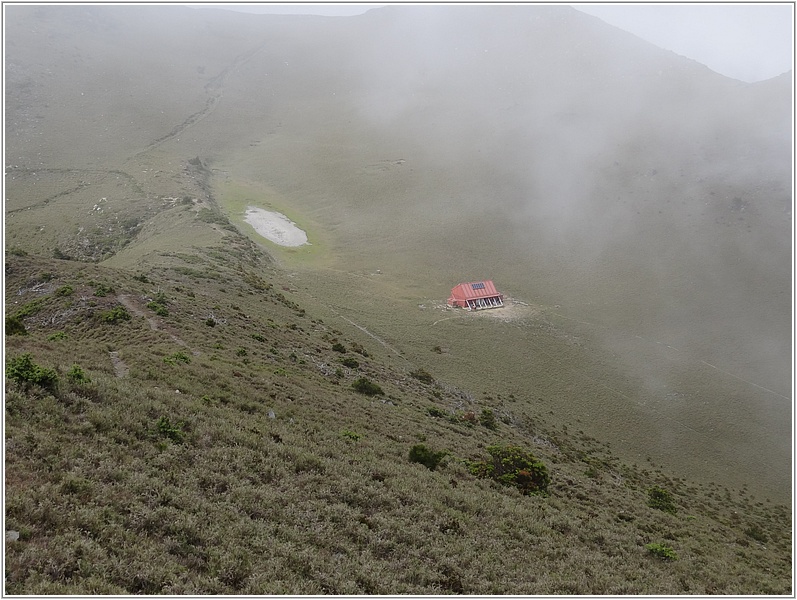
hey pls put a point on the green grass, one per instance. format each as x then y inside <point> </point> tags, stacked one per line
<point>256,474</point>
<point>235,197</point>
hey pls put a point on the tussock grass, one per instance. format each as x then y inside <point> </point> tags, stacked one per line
<point>228,472</point>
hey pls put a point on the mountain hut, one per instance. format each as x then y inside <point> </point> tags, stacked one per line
<point>476,295</point>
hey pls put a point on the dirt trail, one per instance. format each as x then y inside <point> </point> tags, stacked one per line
<point>365,331</point>
<point>90,174</point>
<point>119,366</point>
<point>135,309</point>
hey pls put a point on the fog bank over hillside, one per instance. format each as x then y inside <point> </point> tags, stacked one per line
<point>621,185</point>
<point>540,138</point>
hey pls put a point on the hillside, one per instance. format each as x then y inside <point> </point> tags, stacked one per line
<point>225,415</point>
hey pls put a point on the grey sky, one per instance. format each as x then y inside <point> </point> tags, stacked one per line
<point>749,42</point>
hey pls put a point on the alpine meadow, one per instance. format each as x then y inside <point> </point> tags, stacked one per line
<point>230,367</point>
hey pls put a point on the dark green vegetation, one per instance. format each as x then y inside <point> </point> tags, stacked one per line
<point>420,453</point>
<point>184,412</point>
<point>514,466</point>
<point>23,370</point>
<point>662,500</point>
<point>662,551</point>
<point>367,387</point>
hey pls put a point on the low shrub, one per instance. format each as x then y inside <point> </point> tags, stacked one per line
<point>436,412</point>
<point>101,290</point>
<point>58,335</point>
<point>15,326</point>
<point>180,356</point>
<point>661,551</point>
<point>116,314</point>
<point>65,290</point>
<point>758,534</point>
<point>511,465</point>
<point>661,499</point>
<point>29,308</point>
<point>350,362</point>
<point>420,453</point>
<point>77,375</point>
<point>367,387</point>
<point>158,309</point>
<point>338,347</point>
<point>24,370</point>
<point>350,435</point>
<point>487,419</point>
<point>167,429</point>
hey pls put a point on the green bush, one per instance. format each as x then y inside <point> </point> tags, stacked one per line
<point>15,326</point>
<point>24,370</point>
<point>436,412</point>
<point>65,290</point>
<point>487,419</point>
<point>350,435</point>
<point>511,465</point>
<point>171,431</point>
<point>367,387</point>
<point>661,499</point>
<point>180,356</point>
<point>58,335</point>
<point>661,551</point>
<point>77,375</point>
<point>159,309</point>
<point>420,453</point>
<point>338,347</point>
<point>101,290</point>
<point>350,362</point>
<point>29,308</point>
<point>116,314</point>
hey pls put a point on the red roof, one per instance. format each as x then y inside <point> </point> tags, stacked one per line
<point>473,290</point>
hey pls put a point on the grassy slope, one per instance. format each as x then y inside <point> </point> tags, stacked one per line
<point>106,501</point>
